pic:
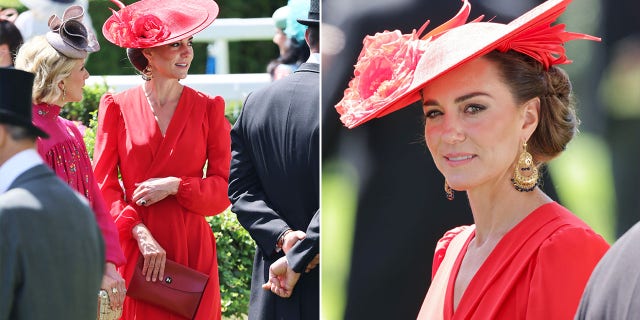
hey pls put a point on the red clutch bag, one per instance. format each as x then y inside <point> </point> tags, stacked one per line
<point>179,292</point>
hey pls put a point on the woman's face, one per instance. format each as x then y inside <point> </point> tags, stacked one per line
<point>473,127</point>
<point>5,56</point>
<point>172,60</point>
<point>74,83</point>
<point>280,38</point>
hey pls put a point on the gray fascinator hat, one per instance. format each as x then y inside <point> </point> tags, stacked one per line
<point>69,36</point>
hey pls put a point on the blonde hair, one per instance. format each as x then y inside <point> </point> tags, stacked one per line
<point>49,66</point>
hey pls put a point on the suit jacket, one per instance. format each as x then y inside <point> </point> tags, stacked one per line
<point>51,250</point>
<point>613,289</point>
<point>274,185</point>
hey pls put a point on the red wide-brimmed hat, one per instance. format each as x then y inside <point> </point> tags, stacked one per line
<point>152,23</point>
<point>393,67</point>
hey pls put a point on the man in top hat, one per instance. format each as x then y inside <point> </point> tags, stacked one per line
<point>274,187</point>
<point>51,250</point>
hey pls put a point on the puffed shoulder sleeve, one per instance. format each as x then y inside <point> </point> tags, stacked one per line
<point>105,165</point>
<point>443,245</point>
<point>213,186</point>
<point>563,266</point>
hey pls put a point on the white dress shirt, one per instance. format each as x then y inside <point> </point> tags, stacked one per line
<point>17,165</point>
<point>314,57</point>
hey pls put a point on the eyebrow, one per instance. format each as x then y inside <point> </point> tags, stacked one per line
<point>180,41</point>
<point>432,102</point>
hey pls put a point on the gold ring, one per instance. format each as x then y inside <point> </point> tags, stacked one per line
<point>114,290</point>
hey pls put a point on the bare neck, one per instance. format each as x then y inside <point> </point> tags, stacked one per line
<point>163,90</point>
<point>497,209</point>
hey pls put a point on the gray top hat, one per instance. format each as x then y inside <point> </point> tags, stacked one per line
<point>314,15</point>
<point>15,100</point>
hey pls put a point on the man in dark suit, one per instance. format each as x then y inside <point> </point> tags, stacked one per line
<point>274,185</point>
<point>51,250</point>
<point>613,291</point>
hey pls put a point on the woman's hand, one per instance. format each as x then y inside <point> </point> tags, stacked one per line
<point>154,255</point>
<point>113,284</point>
<point>155,189</point>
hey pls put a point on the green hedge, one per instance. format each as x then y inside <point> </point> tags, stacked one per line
<point>235,246</point>
<point>235,261</point>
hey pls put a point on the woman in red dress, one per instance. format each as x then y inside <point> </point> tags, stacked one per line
<point>170,144</point>
<point>496,108</point>
<point>58,61</point>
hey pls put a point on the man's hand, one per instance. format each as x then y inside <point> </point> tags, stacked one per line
<point>282,279</point>
<point>291,238</point>
<point>313,263</point>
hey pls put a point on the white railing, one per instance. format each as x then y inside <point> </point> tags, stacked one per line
<point>221,31</point>
<point>229,86</point>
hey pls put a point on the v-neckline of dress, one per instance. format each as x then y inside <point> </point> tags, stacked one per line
<point>155,118</point>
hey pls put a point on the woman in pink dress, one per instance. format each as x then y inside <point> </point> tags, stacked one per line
<point>57,60</point>
<point>170,146</point>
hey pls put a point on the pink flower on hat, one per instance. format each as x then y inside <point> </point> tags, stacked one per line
<point>149,29</point>
<point>383,71</point>
<point>143,31</point>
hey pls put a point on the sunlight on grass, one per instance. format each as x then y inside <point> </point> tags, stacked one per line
<point>338,210</point>
<point>584,181</point>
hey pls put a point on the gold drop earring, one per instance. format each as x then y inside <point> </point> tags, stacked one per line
<point>147,73</point>
<point>448,190</point>
<point>525,175</point>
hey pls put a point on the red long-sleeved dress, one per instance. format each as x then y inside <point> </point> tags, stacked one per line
<point>538,270</point>
<point>129,141</point>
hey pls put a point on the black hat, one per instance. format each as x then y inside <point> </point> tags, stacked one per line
<point>15,99</point>
<point>314,15</point>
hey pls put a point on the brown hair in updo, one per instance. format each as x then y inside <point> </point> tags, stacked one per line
<point>139,61</point>
<point>527,79</point>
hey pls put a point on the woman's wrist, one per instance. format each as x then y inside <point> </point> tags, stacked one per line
<point>175,185</point>
<point>138,231</point>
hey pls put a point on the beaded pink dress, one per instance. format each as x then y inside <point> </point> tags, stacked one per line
<point>65,152</point>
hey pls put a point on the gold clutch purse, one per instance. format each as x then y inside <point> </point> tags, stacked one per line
<point>104,308</point>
